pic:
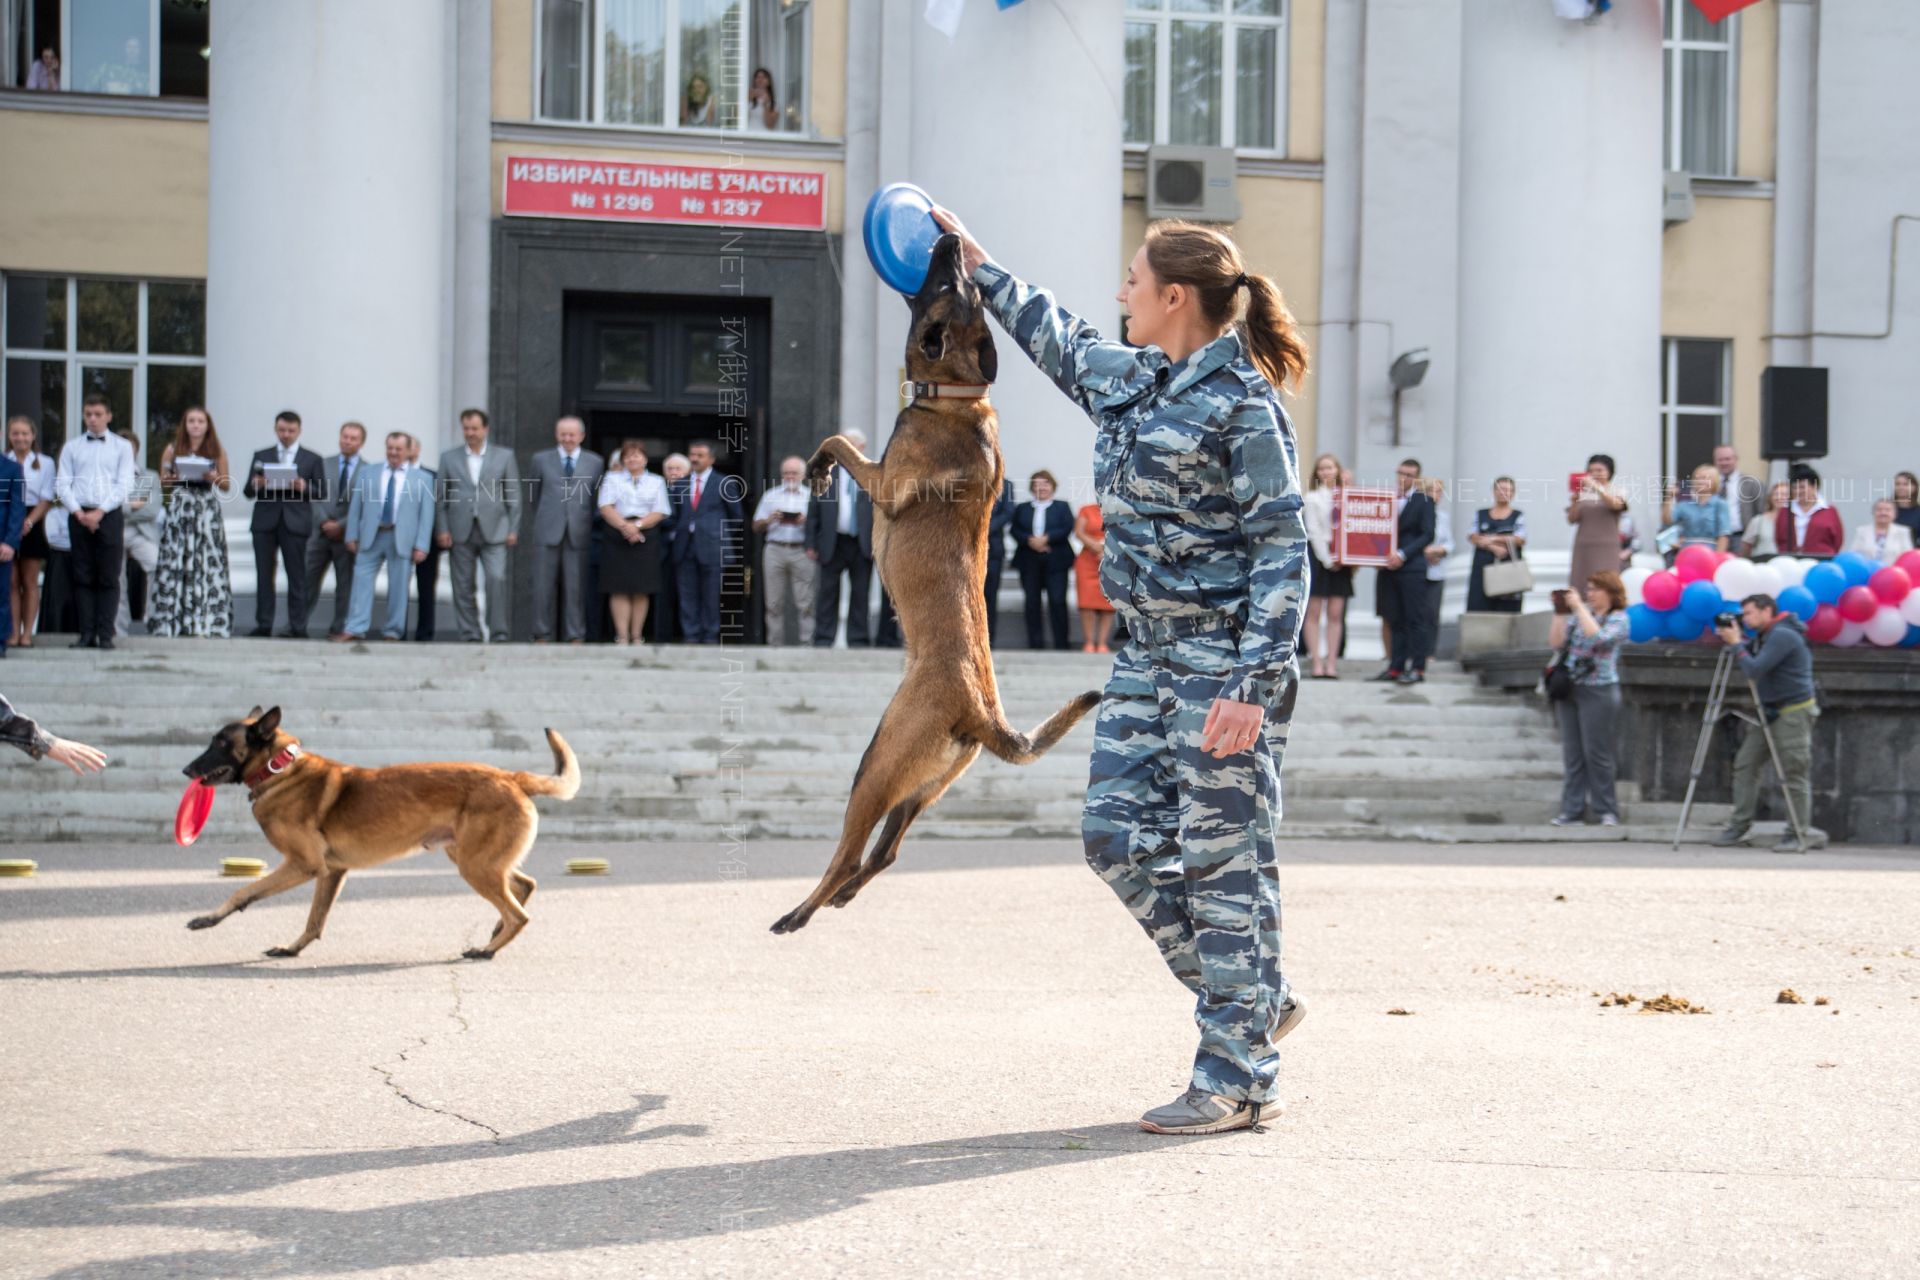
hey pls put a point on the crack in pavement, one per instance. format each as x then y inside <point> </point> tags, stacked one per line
<point>386,1074</point>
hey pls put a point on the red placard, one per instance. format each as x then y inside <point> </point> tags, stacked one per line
<point>631,191</point>
<point>1366,528</point>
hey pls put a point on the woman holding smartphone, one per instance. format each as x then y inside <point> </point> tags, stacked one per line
<point>1592,626</point>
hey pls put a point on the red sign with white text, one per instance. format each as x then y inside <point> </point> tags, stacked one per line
<point>1366,528</point>
<point>628,191</point>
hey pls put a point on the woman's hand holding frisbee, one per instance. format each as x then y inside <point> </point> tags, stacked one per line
<point>971,254</point>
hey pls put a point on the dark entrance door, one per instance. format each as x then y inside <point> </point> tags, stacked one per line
<point>671,372</point>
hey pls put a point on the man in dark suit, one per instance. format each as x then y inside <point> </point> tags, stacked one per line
<point>426,574</point>
<point>327,544</point>
<point>282,521</point>
<point>562,504</point>
<point>840,539</point>
<point>997,525</point>
<point>1043,553</point>
<point>1405,599</point>
<point>706,543</point>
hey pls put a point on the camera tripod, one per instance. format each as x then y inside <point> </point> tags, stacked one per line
<point>1716,707</point>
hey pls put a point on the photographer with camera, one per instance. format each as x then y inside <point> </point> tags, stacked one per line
<point>1776,659</point>
<point>1589,632</point>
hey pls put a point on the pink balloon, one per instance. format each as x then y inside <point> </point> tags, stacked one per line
<point>1720,558</point>
<point>1694,563</point>
<point>1661,591</point>
<point>1909,564</point>
<point>1824,625</point>
<point>1891,584</point>
<point>1857,604</point>
<point>1886,627</point>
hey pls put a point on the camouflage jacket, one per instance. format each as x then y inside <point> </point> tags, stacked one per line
<point>1197,476</point>
<point>23,733</point>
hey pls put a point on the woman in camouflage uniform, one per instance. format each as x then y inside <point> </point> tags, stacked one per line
<point>1206,561</point>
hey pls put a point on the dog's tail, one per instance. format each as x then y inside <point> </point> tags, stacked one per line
<point>1003,740</point>
<point>563,782</point>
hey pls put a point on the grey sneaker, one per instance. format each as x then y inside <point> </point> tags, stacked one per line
<point>1730,836</point>
<point>1198,1112</point>
<point>1563,820</point>
<point>1290,1017</point>
<point>1608,820</point>
<point>1789,843</point>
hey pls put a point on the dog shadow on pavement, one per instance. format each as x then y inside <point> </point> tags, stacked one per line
<point>684,1202</point>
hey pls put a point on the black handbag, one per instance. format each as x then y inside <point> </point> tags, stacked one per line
<point>1557,679</point>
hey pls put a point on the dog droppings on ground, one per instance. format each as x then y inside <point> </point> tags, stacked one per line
<point>1824,1065</point>
<point>1823,1000</point>
<point>1664,1003</point>
<point>1559,897</point>
<point>1788,996</point>
<point>1398,1012</point>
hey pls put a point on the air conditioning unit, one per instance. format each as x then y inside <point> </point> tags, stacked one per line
<point>1679,202</point>
<point>1192,182</point>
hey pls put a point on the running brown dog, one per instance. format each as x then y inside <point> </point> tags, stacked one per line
<point>933,494</point>
<point>327,819</point>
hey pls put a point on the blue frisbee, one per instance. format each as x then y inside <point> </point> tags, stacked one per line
<point>900,231</point>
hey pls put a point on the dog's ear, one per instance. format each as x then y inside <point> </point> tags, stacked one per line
<point>256,713</point>
<point>263,729</point>
<point>989,358</point>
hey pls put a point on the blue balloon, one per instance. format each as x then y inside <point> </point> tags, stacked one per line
<point>1857,567</point>
<point>1700,601</point>
<point>1645,623</point>
<point>1913,639</point>
<point>1798,601</point>
<point>1826,581</point>
<point>1676,625</point>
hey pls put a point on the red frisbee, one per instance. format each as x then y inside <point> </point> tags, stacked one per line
<point>191,820</point>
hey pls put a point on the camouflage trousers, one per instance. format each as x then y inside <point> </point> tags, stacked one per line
<point>1187,842</point>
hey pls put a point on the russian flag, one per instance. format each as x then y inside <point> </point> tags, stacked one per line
<point>1718,9</point>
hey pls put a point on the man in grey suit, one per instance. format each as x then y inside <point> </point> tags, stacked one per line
<point>327,543</point>
<point>565,487</point>
<point>477,518</point>
<point>1745,496</point>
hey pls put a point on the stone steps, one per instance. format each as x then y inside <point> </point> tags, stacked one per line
<point>687,743</point>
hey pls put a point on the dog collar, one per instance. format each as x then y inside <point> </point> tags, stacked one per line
<point>944,390</point>
<point>282,761</point>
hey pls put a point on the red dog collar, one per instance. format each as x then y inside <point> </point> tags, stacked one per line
<point>282,761</point>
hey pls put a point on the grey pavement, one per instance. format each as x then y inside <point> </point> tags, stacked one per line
<point>942,1078</point>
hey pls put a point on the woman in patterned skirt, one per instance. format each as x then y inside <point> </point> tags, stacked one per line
<point>193,590</point>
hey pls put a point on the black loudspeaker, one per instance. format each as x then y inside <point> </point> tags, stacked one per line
<point>1793,412</point>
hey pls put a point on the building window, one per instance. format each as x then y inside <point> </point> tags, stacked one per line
<point>1699,90</point>
<point>1208,73</point>
<point>143,343</point>
<point>736,65</point>
<point>1694,414</point>
<point>125,48</point>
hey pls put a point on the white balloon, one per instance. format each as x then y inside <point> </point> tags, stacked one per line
<point>1735,579</point>
<point>1634,579</point>
<point>1886,627</point>
<point>1851,633</point>
<point>1910,608</point>
<point>1792,571</point>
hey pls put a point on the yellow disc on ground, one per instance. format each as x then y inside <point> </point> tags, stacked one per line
<point>18,866</point>
<point>241,866</point>
<point>586,866</point>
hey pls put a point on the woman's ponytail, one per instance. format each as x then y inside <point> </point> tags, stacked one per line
<point>1208,262</point>
<point>1273,339</point>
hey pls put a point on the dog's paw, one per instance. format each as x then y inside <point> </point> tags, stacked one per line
<point>280,953</point>
<point>203,922</point>
<point>476,953</point>
<point>820,475</point>
<point>793,920</point>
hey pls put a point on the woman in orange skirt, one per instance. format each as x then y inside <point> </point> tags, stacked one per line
<point>1096,611</point>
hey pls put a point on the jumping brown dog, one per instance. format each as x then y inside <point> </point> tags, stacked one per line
<point>327,819</point>
<point>933,494</point>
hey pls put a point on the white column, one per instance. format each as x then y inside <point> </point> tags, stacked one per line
<point>1560,254</point>
<point>329,218</point>
<point>1028,153</point>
